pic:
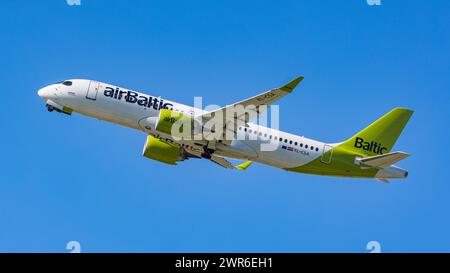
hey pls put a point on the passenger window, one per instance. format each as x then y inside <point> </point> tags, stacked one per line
<point>317,149</point>
<point>285,141</point>
<point>290,142</point>
<point>306,146</point>
<point>281,139</point>
<point>295,143</point>
<point>301,144</point>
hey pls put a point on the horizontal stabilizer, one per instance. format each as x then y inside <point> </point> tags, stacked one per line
<point>384,180</point>
<point>382,161</point>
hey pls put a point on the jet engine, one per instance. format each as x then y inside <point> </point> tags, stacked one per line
<point>162,151</point>
<point>176,124</point>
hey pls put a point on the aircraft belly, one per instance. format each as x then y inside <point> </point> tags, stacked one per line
<point>103,110</point>
<point>282,158</point>
<point>277,156</point>
<point>239,149</point>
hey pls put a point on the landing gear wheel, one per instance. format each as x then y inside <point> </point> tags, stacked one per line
<point>50,108</point>
<point>207,156</point>
<point>207,153</point>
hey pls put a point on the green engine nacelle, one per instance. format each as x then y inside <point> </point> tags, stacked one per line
<point>174,124</point>
<point>161,151</point>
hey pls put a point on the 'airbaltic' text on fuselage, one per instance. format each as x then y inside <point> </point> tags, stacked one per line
<point>134,97</point>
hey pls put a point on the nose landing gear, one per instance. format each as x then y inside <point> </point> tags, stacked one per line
<point>50,108</point>
<point>64,110</point>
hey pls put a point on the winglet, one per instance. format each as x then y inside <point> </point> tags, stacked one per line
<point>244,165</point>
<point>290,86</point>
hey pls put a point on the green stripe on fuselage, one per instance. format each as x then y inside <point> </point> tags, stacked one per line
<point>342,163</point>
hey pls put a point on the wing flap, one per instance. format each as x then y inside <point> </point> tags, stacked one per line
<point>226,164</point>
<point>222,162</point>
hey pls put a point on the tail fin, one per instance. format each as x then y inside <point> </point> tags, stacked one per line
<point>380,136</point>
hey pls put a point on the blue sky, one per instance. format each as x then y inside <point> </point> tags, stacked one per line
<point>74,178</point>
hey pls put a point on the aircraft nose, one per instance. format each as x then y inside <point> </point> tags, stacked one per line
<point>41,92</point>
<point>44,93</point>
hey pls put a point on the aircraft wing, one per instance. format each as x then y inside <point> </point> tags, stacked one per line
<point>382,161</point>
<point>247,109</point>
<point>226,164</point>
<point>222,161</point>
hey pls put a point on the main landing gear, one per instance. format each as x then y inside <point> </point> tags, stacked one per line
<point>207,153</point>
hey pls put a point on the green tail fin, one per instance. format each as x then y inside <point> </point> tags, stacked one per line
<point>380,136</point>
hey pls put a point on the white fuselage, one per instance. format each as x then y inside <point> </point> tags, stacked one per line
<point>107,102</point>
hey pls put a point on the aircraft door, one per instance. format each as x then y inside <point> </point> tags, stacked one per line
<point>92,90</point>
<point>327,154</point>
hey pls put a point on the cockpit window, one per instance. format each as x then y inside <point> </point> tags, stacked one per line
<point>67,83</point>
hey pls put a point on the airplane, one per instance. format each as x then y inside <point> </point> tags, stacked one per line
<point>367,154</point>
